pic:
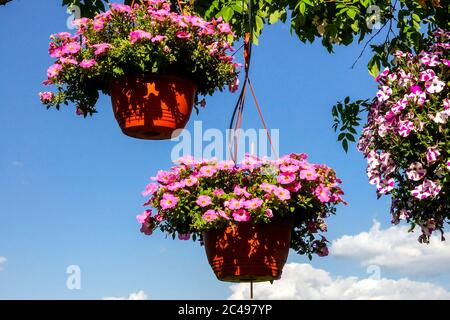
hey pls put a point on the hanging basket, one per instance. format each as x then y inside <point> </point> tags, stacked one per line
<point>152,107</point>
<point>248,252</point>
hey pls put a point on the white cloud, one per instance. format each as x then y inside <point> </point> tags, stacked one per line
<point>396,248</point>
<point>302,281</point>
<point>2,262</point>
<point>140,295</point>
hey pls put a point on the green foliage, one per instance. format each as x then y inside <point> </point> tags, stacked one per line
<point>346,117</point>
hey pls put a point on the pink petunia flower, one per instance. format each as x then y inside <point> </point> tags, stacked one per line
<point>222,214</point>
<point>269,213</point>
<point>267,187</point>
<point>309,174</point>
<point>150,189</point>
<point>168,201</point>
<point>203,201</point>
<point>322,193</point>
<point>46,97</point>
<point>210,215</point>
<point>241,191</point>
<point>282,193</point>
<point>253,204</point>
<point>286,178</point>
<point>207,171</point>
<point>54,71</point>
<point>121,8</point>
<point>235,204</point>
<point>101,48</point>
<point>141,218</point>
<point>289,168</point>
<point>225,165</point>
<point>158,38</point>
<point>68,60</point>
<point>218,192</point>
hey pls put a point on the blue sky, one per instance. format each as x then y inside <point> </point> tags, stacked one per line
<point>70,187</point>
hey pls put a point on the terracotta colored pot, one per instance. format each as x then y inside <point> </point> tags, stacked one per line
<point>153,107</point>
<point>249,252</point>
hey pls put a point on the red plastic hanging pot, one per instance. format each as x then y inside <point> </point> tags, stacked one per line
<point>248,252</point>
<point>152,107</point>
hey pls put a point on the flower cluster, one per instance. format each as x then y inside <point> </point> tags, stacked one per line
<point>407,138</point>
<point>195,196</point>
<point>147,38</point>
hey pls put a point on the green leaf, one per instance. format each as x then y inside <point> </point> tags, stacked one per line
<point>351,13</point>
<point>302,8</point>
<point>226,13</point>
<point>374,66</point>
<point>345,145</point>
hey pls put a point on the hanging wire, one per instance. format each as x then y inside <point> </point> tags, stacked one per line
<point>237,116</point>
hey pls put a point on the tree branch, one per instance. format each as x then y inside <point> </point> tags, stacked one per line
<point>3,2</point>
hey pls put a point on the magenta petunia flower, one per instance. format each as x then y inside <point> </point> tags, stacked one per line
<point>241,215</point>
<point>183,35</point>
<point>87,64</point>
<point>71,48</point>
<point>101,48</point>
<point>138,35</point>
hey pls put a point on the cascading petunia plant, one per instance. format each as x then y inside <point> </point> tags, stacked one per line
<point>147,38</point>
<point>407,138</point>
<point>196,196</point>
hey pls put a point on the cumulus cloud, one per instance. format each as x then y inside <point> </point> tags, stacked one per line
<point>140,295</point>
<point>302,281</point>
<point>2,262</point>
<point>395,248</point>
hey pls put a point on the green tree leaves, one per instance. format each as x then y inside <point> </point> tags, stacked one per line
<point>346,119</point>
